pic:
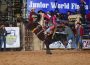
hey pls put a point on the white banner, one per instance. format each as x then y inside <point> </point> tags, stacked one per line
<point>59,44</point>
<point>13,38</point>
<point>86,44</point>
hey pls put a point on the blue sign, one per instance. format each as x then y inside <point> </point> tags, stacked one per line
<point>61,5</point>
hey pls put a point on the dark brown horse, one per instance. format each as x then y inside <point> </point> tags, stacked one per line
<point>47,39</point>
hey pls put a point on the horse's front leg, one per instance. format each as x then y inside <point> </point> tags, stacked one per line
<point>48,51</point>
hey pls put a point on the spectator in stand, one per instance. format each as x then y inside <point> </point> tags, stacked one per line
<point>32,13</point>
<point>67,14</point>
<point>82,9</point>
<point>58,18</point>
<point>79,34</point>
<point>33,19</point>
<point>70,35</point>
<point>62,16</point>
<point>88,16</point>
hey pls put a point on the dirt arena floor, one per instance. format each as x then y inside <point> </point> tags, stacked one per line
<point>59,57</point>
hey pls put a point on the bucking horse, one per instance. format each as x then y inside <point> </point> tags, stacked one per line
<point>47,39</point>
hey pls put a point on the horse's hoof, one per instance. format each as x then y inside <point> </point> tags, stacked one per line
<point>48,53</point>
